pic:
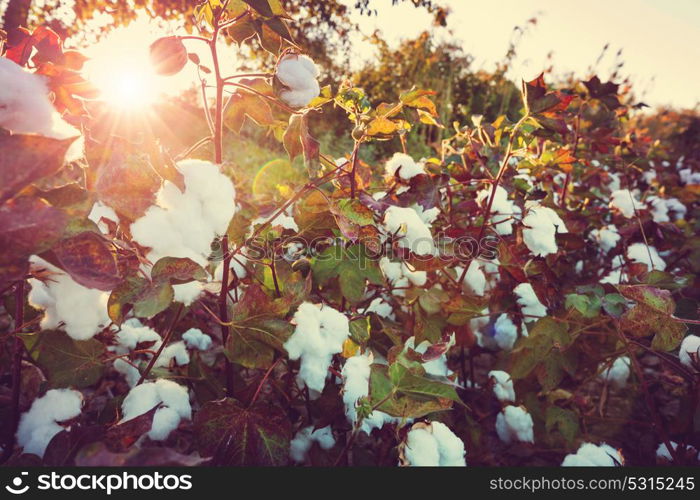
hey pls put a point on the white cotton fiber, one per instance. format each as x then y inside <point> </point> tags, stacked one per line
<point>514,423</point>
<point>505,333</point>
<point>319,334</point>
<point>401,276</point>
<point>303,440</point>
<point>381,308</point>
<point>25,107</point>
<point>184,224</point>
<point>436,367</point>
<point>82,311</point>
<point>195,339</point>
<point>530,305</point>
<point>638,252</point>
<point>175,407</point>
<point>591,455</point>
<point>434,445</point>
<point>475,279</point>
<point>626,202</point>
<point>298,74</point>
<point>617,373</point>
<point>541,226</point>
<point>412,232</point>
<point>406,167</point>
<point>356,372</point>
<point>41,423</point>
<point>663,453</point>
<point>503,386</point>
<point>607,237</point>
<point>101,211</point>
<point>689,346</point>
<point>502,210</point>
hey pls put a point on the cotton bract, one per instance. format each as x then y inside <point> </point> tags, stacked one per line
<point>82,311</point>
<point>591,455</point>
<point>175,406</point>
<point>319,334</point>
<point>298,74</point>
<point>434,445</point>
<point>41,423</point>
<point>514,424</point>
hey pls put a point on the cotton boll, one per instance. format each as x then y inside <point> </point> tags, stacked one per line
<point>427,216</point>
<point>41,423</point>
<point>607,237</point>
<point>663,453</point>
<point>421,449</point>
<point>689,177</point>
<point>615,275</point>
<point>617,373</point>
<point>413,233</point>
<point>406,167</point>
<point>503,386</point>
<point>530,305</point>
<point>82,311</point>
<point>195,339</point>
<point>175,407</point>
<point>514,423</point>
<point>626,202</point>
<point>25,107</point>
<point>505,332</point>
<point>381,308</point>
<point>450,447</point>
<point>639,252</point>
<point>175,352</point>
<point>591,455</point>
<point>690,347</point>
<point>435,367</point>
<point>131,374</point>
<point>614,184</point>
<point>284,220</point>
<point>303,440</point>
<point>101,211</point>
<point>475,279</point>
<point>541,226</point>
<point>319,334</point>
<point>658,209</point>
<point>502,210</point>
<point>433,445</point>
<point>356,372</point>
<point>400,276</point>
<point>676,208</point>
<point>298,74</point>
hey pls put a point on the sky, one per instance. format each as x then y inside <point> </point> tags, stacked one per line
<point>660,40</point>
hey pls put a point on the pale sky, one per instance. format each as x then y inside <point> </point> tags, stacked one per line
<point>660,39</point>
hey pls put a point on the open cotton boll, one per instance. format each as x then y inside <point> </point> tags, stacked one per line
<point>436,367</point>
<point>409,228</point>
<point>25,107</point>
<point>303,440</point>
<point>689,347</point>
<point>514,423</point>
<point>475,279</point>
<point>591,455</point>
<point>101,211</point>
<point>617,373</point>
<point>530,305</point>
<point>319,334</point>
<point>689,177</point>
<point>41,423</point>
<point>400,276</point>
<point>175,407</point>
<point>433,445</point>
<point>406,167</point>
<point>503,386</point>
<point>81,310</point>
<point>195,339</point>
<point>626,202</point>
<point>638,252</point>
<point>615,275</point>
<point>658,209</point>
<point>614,184</point>
<point>676,208</point>
<point>607,237</point>
<point>505,333</point>
<point>183,224</point>
<point>175,352</point>
<point>298,74</point>
<point>283,219</point>
<point>381,308</point>
<point>502,210</point>
<point>356,372</point>
<point>541,226</point>
<point>663,453</point>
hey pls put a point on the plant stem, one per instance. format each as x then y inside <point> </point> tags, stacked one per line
<point>16,370</point>
<point>164,343</point>
<point>353,170</point>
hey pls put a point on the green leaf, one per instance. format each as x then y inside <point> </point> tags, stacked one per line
<point>359,330</point>
<point>297,140</point>
<point>147,298</point>
<point>614,304</point>
<point>355,211</point>
<point>565,421</point>
<point>353,266</point>
<point>68,362</point>
<point>533,349</point>
<point>238,436</point>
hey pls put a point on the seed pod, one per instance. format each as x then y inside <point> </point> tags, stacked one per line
<point>168,55</point>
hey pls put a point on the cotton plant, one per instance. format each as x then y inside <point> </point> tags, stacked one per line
<point>436,367</point>
<point>194,338</point>
<point>689,351</point>
<point>607,237</point>
<point>626,202</point>
<point>45,419</point>
<point>403,167</point>
<point>411,231</point>
<point>401,276</point>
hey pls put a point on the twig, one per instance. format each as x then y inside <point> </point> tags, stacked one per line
<point>164,343</point>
